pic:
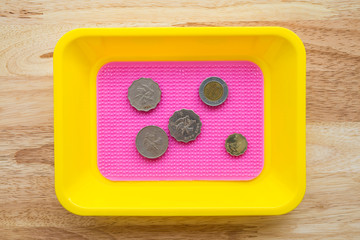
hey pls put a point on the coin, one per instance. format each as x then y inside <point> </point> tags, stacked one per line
<point>152,142</point>
<point>184,125</point>
<point>144,94</point>
<point>236,144</point>
<point>213,91</point>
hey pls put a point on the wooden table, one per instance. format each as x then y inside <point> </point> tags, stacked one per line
<point>28,33</point>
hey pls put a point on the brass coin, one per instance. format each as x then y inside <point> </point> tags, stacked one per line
<point>236,144</point>
<point>213,91</point>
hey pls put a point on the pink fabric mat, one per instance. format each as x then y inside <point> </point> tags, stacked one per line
<point>206,157</point>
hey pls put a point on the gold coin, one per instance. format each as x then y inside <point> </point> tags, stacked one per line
<point>213,91</point>
<point>236,144</point>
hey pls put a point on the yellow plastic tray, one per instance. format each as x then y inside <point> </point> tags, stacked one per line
<point>81,188</point>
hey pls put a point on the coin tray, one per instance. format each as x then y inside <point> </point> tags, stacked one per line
<point>98,171</point>
<point>203,159</point>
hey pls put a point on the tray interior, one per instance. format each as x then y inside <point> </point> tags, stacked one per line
<point>203,159</point>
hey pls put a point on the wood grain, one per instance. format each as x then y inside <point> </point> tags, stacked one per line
<point>28,33</point>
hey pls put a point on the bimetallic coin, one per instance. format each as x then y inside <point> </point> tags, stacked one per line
<point>144,94</point>
<point>152,142</point>
<point>213,91</point>
<point>184,125</point>
<point>236,144</point>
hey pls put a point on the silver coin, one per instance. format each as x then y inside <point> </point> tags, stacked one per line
<point>213,91</point>
<point>152,142</point>
<point>184,125</point>
<point>236,144</point>
<point>144,94</point>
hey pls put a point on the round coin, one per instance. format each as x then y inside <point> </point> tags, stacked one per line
<point>213,91</point>
<point>184,125</point>
<point>152,142</point>
<point>236,144</point>
<point>144,94</point>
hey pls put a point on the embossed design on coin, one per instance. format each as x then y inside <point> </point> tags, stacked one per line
<point>144,94</point>
<point>213,91</point>
<point>152,142</point>
<point>184,125</point>
<point>236,144</point>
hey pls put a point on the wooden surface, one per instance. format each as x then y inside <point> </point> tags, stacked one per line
<point>28,33</point>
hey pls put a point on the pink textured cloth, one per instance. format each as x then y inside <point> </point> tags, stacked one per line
<point>206,157</point>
